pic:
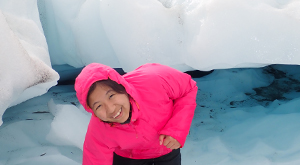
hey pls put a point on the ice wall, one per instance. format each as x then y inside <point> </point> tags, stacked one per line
<point>185,34</point>
<point>75,34</point>
<point>25,68</point>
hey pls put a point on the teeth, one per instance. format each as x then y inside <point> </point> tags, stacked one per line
<point>117,114</point>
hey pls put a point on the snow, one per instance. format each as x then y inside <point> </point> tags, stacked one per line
<point>238,120</point>
<point>247,113</point>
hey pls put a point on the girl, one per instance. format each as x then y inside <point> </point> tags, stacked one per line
<point>140,118</point>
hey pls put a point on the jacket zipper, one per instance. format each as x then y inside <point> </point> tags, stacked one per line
<point>136,134</point>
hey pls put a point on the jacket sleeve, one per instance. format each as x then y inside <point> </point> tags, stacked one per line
<point>182,90</point>
<point>95,152</point>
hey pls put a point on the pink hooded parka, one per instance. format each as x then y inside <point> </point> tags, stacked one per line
<point>162,100</point>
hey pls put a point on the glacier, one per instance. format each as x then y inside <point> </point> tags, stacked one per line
<point>25,66</point>
<point>187,35</point>
<point>190,34</point>
<point>40,38</point>
<point>234,124</point>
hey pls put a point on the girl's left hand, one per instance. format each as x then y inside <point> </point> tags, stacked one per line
<point>169,142</point>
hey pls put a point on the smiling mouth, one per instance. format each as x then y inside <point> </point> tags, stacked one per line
<point>117,115</point>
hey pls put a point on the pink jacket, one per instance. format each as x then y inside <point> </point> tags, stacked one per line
<point>163,101</point>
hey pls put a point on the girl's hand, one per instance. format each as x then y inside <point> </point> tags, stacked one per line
<point>169,142</point>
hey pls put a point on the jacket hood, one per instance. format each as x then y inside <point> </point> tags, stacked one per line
<point>95,72</point>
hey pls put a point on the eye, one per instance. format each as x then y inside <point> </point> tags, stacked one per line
<point>98,107</point>
<point>111,95</point>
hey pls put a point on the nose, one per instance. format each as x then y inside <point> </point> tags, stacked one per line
<point>110,107</point>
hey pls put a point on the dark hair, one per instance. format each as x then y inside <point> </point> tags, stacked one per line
<point>109,83</point>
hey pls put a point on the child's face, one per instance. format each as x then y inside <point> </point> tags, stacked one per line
<point>109,105</point>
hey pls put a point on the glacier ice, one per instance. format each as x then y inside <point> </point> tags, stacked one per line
<point>25,67</point>
<point>186,35</point>
<point>198,34</point>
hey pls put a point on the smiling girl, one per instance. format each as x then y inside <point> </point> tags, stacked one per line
<point>140,118</point>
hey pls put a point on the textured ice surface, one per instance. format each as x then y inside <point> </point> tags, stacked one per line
<point>238,121</point>
<point>25,69</point>
<point>184,34</point>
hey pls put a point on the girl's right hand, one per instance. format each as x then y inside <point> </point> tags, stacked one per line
<point>169,142</point>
